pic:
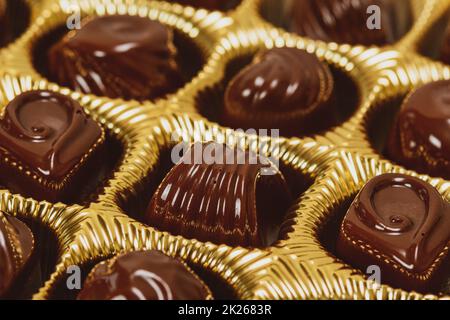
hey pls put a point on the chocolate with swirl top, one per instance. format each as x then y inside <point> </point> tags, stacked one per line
<point>47,143</point>
<point>401,224</point>
<point>16,248</point>
<point>219,200</point>
<point>143,275</point>
<point>420,136</point>
<point>117,56</point>
<point>345,21</point>
<point>284,88</point>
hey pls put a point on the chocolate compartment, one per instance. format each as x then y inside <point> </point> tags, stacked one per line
<point>210,101</point>
<point>189,57</point>
<point>20,10</point>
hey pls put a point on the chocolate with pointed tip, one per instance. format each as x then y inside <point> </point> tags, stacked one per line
<point>346,21</point>
<point>117,56</point>
<point>420,136</point>
<point>16,248</point>
<point>143,275</point>
<point>284,88</point>
<point>402,225</point>
<point>46,143</point>
<point>225,202</point>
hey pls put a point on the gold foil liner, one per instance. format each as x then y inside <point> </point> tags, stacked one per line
<point>339,162</point>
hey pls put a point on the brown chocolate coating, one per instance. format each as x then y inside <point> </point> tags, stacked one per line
<point>143,275</point>
<point>283,88</point>
<point>221,5</point>
<point>420,136</point>
<point>445,49</point>
<point>230,204</point>
<point>345,21</point>
<point>45,141</point>
<point>117,56</point>
<point>16,247</point>
<point>401,224</point>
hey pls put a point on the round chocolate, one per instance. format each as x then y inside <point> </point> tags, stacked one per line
<point>420,136</point>
<point>346,21</point>
<point>400,224</point>
<point>220,5</point>
<point>221,201</point>
<point>16,248</point>
<point>283,88</point>
<point>117,56</point>
<point>143,275</point>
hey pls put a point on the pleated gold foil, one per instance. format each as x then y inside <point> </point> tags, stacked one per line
<point>339,162</point>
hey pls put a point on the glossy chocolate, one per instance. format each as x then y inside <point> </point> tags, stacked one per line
<point>45,140</point>
<point>16,247</point>
<point>345,21</point>
<point>117,56</point>
<point>230,204</point>
<point>143,275</point>
<point>401,224</point>
<point>220,5</point>
<point>445,49</point>
<point>420,136</point>
<point>283,88</point>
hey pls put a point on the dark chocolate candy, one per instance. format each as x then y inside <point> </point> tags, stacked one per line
<point>345,21</point>
<point>401,224</point>
<point>143,275</point>
<point>445,49</point>
<point>420,136</point>
<point>220,5</point>
<point>16,248</point>
<point>46,143</point>
<point>226,203</point>
<point>117,56</point>
<point>283,88</point>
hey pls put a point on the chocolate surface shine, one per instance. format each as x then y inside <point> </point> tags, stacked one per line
<point>117,56</point>
<point>397,220</point>
<point>16,247</point>
<point>420,137</point>
<point>230,204</point>
<point>142,275</point>
<point>284,88</point>
<point>48,132</point>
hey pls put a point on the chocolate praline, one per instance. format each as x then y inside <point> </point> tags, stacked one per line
<point>402,225</point>
<point>420,136</point>
<point>143,275</point>
<point>223,201</point>
<point>117,56</point>
<point>16,248</point>
<point>283,88</point>
<point>48,145</point>
<point>346,21</point>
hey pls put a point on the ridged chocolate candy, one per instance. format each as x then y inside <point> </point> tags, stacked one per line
<point>420,136</point>
<point>16,248</point>
<point>225,202</point>
<point>283,88</point>
<point>345,21</point>
<point>143,275</point>
<point>46,144</point>
<point>402,225</point>
<point>117,56</point>
<point>445,50</point>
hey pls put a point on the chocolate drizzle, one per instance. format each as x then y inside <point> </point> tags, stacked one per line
<point>420,138</point>
<point>16,247</point>
<point>345,21</point>
<point>143,275</point>
<point>401,224</point>
<point>117,56</point>
<point>224,203</point>
<point>285,88</point>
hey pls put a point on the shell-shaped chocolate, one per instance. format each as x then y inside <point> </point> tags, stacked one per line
<point>225,202</point>
<point>143,275</point>
<point>16,248</point>
<point>346,21</point>
<point>420,136</point>
<point>117,56</point>
<point>285,88</point>
<point>401,224</point>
